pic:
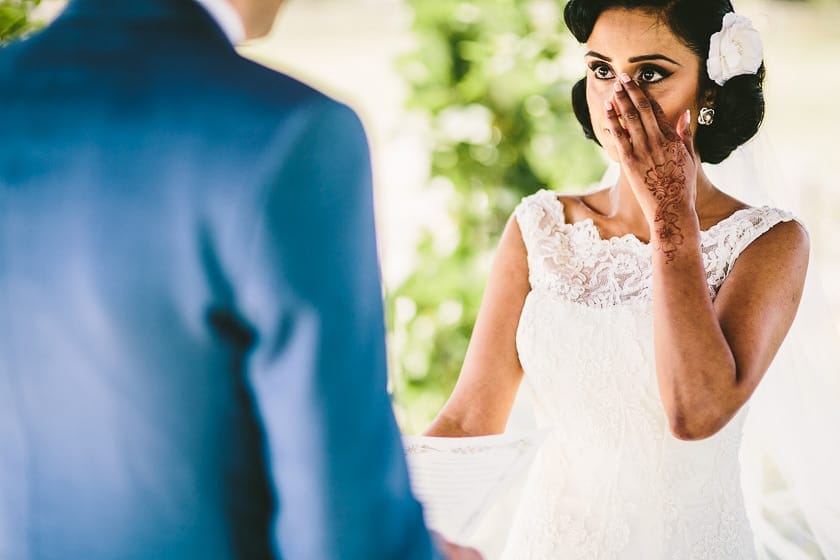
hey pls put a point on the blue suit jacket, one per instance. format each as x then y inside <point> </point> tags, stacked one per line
<point>192,356</point>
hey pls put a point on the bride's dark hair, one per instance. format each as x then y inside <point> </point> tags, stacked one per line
<point>739,105</point>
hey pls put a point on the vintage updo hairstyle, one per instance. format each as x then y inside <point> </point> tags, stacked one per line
<point>739,104</point>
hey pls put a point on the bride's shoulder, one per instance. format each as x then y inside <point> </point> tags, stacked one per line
<point>763,239</point>
<point>541,198</point>
<point>535,210</point>
<point>738,216</point>
<point>766,231</point>
<point>554,205</point>
<point>732,218</point>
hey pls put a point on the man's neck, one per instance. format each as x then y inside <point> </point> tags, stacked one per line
<point>226,17</point>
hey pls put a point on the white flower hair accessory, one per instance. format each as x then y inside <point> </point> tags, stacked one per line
<point>735,50</point>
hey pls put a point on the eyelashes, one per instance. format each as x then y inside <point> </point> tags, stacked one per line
<point>651,74</point>
<point>646,74</point>
<point>601,71</point>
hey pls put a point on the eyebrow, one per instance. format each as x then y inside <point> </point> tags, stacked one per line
<point>643,58</point>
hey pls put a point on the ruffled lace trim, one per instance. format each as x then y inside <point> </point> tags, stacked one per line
<point>575,263</point>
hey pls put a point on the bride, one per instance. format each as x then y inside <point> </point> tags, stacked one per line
<point>643,316</point>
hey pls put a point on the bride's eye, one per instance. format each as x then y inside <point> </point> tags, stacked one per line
<point>602,71</point>
<point>651,75</point>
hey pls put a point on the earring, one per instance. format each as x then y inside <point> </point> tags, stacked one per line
<point>706,116</point>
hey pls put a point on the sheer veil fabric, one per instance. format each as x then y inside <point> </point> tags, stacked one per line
<point>791,450</point>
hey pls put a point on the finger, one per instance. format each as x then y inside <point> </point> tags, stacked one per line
<point>632,119</point>
<point>685,133</point>
<point>665,127</point>
<point>643,105</point>
<point>614,128</point>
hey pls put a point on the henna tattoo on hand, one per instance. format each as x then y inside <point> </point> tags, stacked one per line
<point>667,183</point>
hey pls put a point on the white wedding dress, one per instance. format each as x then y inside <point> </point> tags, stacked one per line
<point>611,481</point>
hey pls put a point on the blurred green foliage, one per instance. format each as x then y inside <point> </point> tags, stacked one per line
<point>14,19</point>
<point>492,78</point>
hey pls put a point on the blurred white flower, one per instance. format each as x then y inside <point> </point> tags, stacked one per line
<point>467,12</point>
<point>544,14</point>
<point>406,309</point>
<point>471,124</point>
<point>450,312</point>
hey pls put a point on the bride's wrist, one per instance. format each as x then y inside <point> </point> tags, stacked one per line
<point>673,232</point>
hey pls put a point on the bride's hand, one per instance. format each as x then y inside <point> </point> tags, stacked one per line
<point>658,158</point>
<point>454,551</point>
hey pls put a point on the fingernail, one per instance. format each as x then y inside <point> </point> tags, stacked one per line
<point>608,105</point>
<point>688,116</point>
<point>625,77</point>
<point>617,86</point>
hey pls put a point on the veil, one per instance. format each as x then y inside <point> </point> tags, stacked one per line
<point>791,450</point>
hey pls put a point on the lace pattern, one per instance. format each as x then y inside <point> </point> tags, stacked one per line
<point>611,481</point>
<point>572,261</point>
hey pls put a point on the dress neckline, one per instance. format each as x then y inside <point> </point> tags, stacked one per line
<point>589,224</point>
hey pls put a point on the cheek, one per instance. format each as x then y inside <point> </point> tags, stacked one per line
<point>674,104</point>
<point>598,91</point>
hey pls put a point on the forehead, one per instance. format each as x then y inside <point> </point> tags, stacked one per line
<point>623,33</point>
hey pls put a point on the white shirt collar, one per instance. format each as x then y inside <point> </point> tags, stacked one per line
<point>226,17</point>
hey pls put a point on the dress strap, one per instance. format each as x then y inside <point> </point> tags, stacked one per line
<point>748,225</point>
<point>538,215</point>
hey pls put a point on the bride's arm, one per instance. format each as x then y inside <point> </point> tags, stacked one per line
<point>710,355</point>
<point>481,401</point>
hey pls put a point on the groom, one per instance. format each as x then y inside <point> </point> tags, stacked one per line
<point>191,331</point>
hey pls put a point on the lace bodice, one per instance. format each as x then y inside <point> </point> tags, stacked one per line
<point>611,480</point>
<point>573,262</point>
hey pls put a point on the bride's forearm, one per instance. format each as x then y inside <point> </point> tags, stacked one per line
<point>695,367</point>
<point>443,426</point>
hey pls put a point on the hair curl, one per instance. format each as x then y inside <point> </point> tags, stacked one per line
<point>739,104</point>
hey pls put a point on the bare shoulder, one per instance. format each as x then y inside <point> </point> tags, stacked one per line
<point>783,243</point>
<point>571,200</point>
<point>776,261</point>
<point>578,207</point>
<point>512,250</point>
<point>572,205</point>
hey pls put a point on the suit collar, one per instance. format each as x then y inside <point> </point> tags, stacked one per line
<point>186,12</point>
<point>132,8</point>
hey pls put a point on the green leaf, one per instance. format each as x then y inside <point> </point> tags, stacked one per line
<point>14,19</point>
